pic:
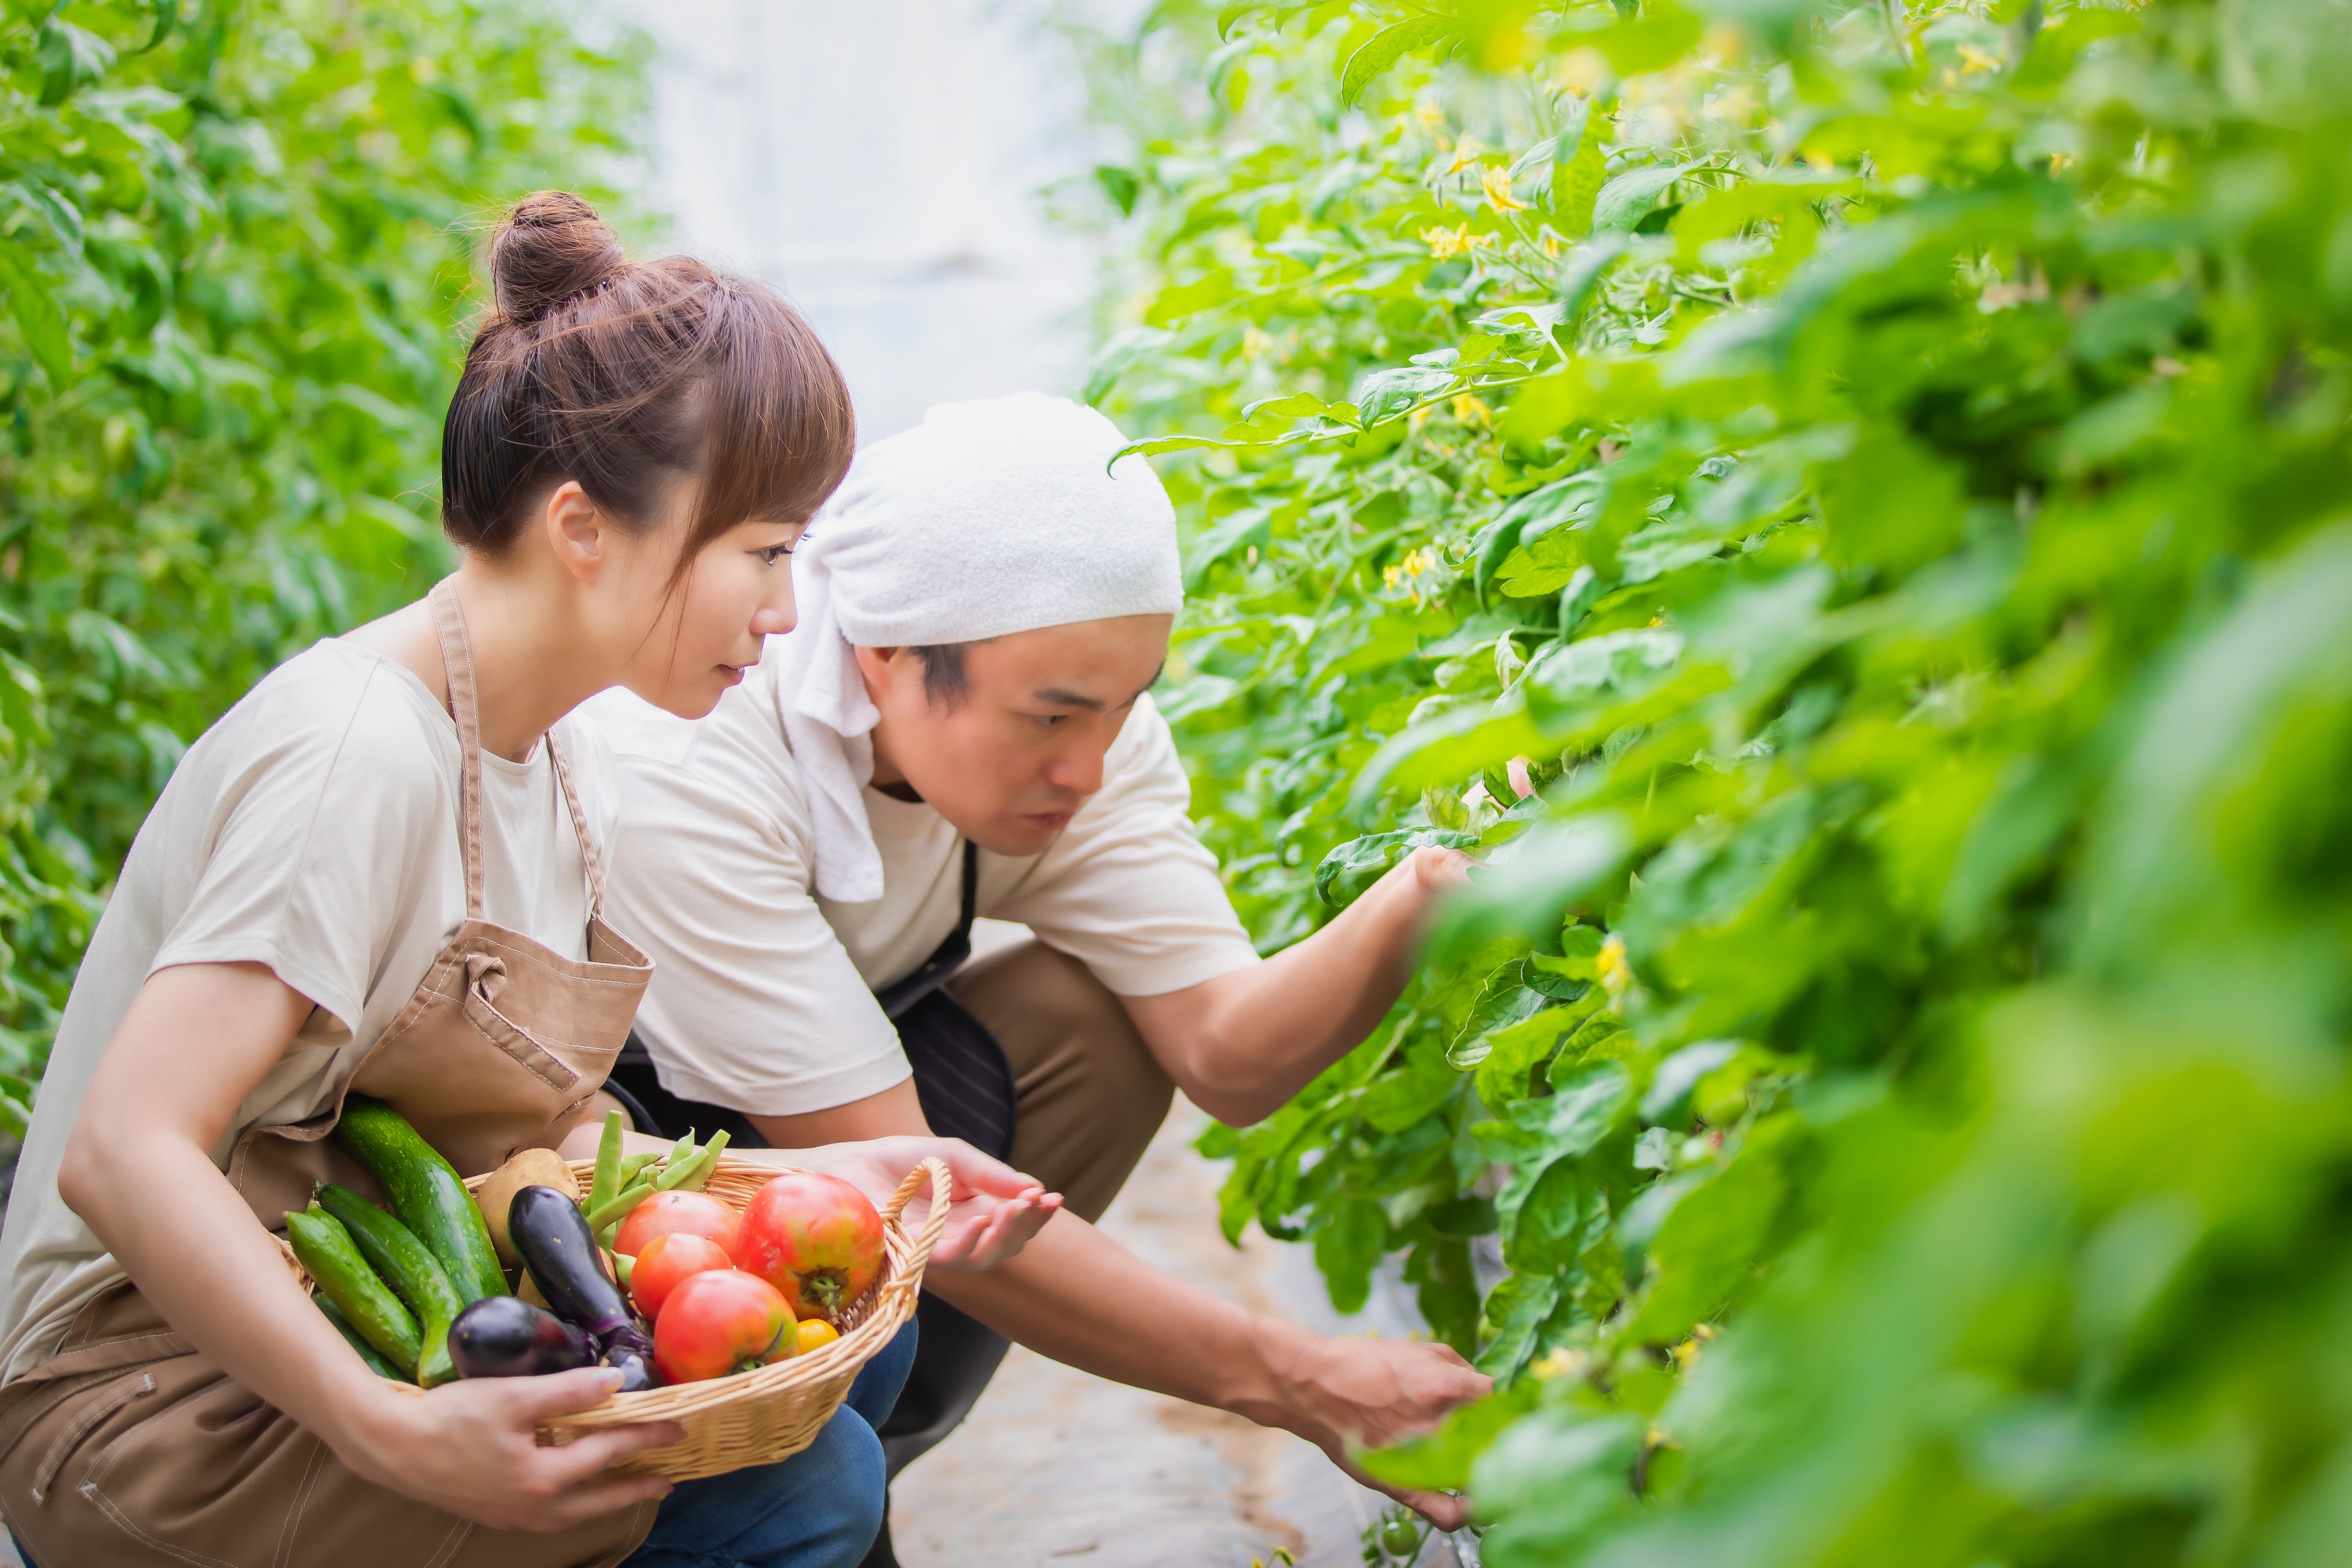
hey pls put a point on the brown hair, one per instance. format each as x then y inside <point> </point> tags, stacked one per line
<point>626,375</point>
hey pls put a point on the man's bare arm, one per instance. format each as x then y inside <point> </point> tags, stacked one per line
<point>1240,1045</point>
<point>1080,1296</point>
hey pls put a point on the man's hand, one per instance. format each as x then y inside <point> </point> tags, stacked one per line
<point>994,1210</point>
<point>1373,1392</point>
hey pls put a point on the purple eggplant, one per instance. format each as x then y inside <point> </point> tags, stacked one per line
<point>505,1336</point>
<point>634,1357</point>
<point>553,1237</point>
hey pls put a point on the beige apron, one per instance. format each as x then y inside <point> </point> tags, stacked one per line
<point>131,1447</point>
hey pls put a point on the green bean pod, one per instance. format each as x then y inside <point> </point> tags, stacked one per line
<point>327,1250</point>
<point>406,1265</point>
<point>611,1213</point>
<point>606,1182</point>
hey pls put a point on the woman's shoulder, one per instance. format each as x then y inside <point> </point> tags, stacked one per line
<point>333,711</point>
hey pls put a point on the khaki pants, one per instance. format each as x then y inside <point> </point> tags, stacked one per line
<point>1089,1094</point>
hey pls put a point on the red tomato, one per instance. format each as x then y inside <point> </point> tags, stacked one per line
<point>816,1238</point>
<point>665,1264</point>
<point>666,1212</point>
<point>722,1320</point>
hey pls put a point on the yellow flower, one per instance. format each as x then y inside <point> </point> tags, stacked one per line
<point>1686,1353</point>
<point>1470,411</point>
<point>1498,191</point>
<point>1616,975</point>
<point>1975,60</point>
<point>1465,156</point>
<point>1444,243</point>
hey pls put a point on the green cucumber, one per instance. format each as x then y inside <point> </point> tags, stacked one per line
<point>426,1194</point>
<point>375,1362</point>
<point>409,1267</point>
<point>327,1250</point>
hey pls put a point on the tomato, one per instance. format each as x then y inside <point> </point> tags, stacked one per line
<point>816,1238</point>
<point>722,1320</point>
<point>665,1264</point>
<point>815,1334</point>
<point>666,1212</point>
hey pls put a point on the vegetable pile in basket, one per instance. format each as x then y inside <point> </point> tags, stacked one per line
<point>647,1273</point>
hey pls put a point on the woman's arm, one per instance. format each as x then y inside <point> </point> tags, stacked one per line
<point>137,1168</point>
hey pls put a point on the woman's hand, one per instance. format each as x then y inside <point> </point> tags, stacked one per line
<point>470,1448</point>
<point>994,1211</point>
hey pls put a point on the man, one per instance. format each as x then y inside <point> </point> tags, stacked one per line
<point>959,724</point>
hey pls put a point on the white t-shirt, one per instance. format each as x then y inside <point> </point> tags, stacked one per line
<point>762,997</point>
<point>314,829</point>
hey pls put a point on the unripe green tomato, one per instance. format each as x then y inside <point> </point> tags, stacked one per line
<point>1397,1537</point>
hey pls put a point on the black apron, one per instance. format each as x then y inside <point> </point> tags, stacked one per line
<point>965,1087</point>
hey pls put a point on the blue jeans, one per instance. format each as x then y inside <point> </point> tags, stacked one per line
<point>820,1508</point>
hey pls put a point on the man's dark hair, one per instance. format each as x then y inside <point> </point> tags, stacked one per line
<point>943,680</point>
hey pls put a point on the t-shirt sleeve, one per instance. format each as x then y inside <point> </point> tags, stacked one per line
<point>753,1005</point>
<point>1128,889</point>
<point>313,840</point>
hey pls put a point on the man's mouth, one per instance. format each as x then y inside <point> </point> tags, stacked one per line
<point>1049,821</point>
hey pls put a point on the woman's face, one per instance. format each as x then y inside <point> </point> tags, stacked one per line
<point>701,636</point>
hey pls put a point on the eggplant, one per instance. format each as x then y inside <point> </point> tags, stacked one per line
<point>552,1237</point>
<point>505,1336</point>
<point>636,1362</point>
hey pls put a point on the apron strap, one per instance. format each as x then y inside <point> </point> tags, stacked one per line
<point>588,856</point>
<point>457,661</point>
<point>458,664</point>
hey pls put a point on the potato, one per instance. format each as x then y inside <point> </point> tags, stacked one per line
<point>531,1168</point>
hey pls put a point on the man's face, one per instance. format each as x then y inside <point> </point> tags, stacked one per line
<point>1010,763</point>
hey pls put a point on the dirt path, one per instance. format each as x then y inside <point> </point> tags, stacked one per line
<point>1057,1467</point>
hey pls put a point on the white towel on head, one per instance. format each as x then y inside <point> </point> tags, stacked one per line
<point>987,518</point>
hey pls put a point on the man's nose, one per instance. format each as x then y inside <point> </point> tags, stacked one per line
<point>1077,767</point>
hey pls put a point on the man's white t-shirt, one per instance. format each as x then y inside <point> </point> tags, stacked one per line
<point>762,992</point>
<point>313,829</point>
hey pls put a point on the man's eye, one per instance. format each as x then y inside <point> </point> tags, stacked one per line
<point>1050,719</point>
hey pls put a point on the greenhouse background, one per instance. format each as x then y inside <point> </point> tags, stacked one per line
<point>1841,506</point>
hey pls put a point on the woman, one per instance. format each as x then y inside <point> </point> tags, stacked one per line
<point>380,873</point>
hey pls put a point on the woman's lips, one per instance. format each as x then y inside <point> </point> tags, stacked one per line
<point>1049,821</point>
<point>733,672</point>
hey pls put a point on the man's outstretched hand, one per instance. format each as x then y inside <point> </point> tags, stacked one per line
<point>1373,1392</point>
<point>994,1210</point>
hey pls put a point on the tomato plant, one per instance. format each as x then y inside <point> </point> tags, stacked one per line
<point>234,246</point>
<point>1842,506</point>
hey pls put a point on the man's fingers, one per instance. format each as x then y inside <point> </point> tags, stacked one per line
<point>1443,1509</point>
<point>977,1172</point>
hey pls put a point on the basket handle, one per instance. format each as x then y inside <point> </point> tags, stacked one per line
<point>936,1221</point>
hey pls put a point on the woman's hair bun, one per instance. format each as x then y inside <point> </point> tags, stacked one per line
<point>551,247</point>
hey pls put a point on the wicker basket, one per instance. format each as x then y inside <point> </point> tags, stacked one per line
<point>759,1418</point>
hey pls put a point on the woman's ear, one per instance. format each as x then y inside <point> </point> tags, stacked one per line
<point>576,531</point>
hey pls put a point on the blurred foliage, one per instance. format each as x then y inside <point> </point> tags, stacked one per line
<point>235,243</point>
<point>1847,505</point>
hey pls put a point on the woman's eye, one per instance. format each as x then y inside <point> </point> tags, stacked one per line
<point>768,556</point>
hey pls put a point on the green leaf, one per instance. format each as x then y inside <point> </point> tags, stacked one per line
<point>69,58</point>
<point>1441,1460</point>
<point>1345,873</point>
<point>40,315</point>
<point>1626,200</point>
<point>1384,49</point>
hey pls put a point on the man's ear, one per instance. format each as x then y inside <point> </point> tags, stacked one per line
<point>576,531</point>
<point>884,668</point>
